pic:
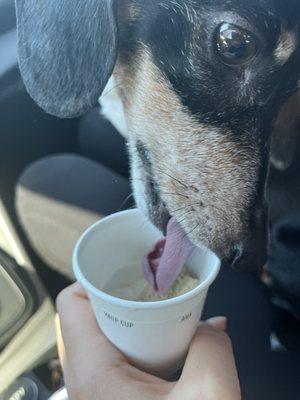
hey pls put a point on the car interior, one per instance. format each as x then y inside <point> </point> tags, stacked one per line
<point>52,174</point>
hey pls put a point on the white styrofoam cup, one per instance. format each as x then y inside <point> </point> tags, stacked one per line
<point>154,336</point>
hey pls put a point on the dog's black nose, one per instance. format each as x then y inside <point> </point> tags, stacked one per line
<point>251,259</point>
<point>250,254</point>
<point>235,254</point>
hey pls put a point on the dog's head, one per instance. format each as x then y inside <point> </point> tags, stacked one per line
<point>201,82</point>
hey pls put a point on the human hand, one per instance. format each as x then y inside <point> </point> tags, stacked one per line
<point>95,369</point>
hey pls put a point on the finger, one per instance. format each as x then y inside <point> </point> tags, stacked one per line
<point>218,323</point>
<point>80,332</point>
<point>210,365</point>
<point>78,290</point>
<point>60,343</point>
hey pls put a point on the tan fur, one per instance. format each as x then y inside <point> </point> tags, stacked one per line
<point>128,10</point>
<point>213,178</point>
<point>286,46</point>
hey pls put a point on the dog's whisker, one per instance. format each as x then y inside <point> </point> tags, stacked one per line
<point>110,90</point>
<point>185,216</point>
<point>182,208</point>
<point>125,201</point>
<point>175,179</point>
<point>192,230</point>
<point>167,193</point>
<point>184,212</point>
<point>180,222</point>
<point>175,194</point>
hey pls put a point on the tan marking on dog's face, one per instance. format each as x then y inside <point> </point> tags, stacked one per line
<point>287,44</point>
<point>213,177</point>
<point>129,11</point>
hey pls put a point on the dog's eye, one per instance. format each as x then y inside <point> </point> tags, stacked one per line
<point>235,45</point>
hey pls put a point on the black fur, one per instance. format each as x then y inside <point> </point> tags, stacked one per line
<point>211,91</point>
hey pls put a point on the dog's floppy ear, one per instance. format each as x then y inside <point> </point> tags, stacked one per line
<point>67,51</point>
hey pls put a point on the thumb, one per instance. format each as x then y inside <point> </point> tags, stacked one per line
<point>217,322</point>
<point>210,370</point>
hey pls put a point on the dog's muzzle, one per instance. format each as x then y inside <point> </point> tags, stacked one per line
<point>245,251</point>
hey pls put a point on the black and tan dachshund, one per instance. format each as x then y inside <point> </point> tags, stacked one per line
<point>201,82</point>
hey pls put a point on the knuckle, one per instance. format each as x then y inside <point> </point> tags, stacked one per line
<point>62,297</point>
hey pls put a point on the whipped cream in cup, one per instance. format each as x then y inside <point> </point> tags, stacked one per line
<point>154,336</point>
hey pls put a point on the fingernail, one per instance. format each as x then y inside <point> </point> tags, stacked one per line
<point>218,322</point>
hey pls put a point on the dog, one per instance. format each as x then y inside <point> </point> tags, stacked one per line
<point>201,82</point>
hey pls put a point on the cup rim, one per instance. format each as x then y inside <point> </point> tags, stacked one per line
<point>130,304</point>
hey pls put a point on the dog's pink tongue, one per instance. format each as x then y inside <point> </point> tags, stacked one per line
<point>163,265</point>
